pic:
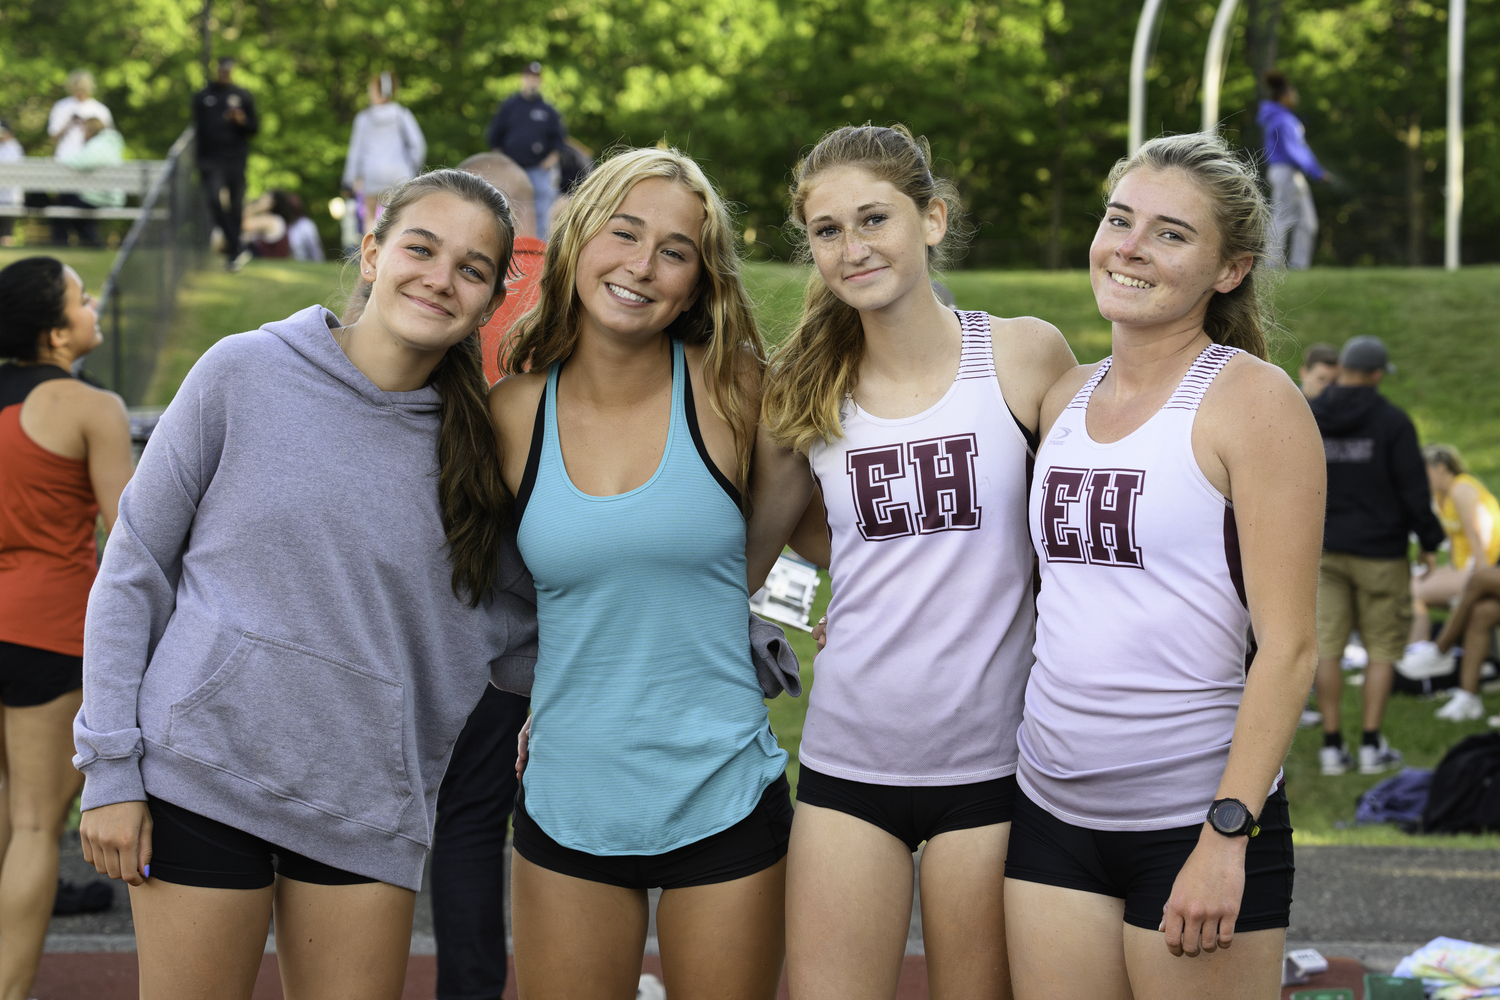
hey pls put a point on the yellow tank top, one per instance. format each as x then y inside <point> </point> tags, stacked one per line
<point>1489,523</point>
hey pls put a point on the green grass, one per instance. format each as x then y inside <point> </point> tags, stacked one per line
<point>92,265</point>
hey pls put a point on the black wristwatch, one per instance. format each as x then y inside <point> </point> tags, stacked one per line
<point>1232,818</point>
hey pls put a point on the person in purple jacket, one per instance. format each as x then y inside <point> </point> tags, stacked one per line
<point>1289,163</point>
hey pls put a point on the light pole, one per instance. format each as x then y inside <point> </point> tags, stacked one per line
<point>1214,62</point>
<point>1455,134</point>
<point>1140,55</point>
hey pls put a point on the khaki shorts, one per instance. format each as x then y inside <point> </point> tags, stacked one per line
<point>1372,595</point>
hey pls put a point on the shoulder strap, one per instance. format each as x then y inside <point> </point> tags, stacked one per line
<point>1081,400</point>
<point>534,454</point>
<point>17,381</point>
<point>1200,376</point>
<point>977,359</point>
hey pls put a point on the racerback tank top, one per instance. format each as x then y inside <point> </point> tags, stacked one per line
<point>930,624</point>
<point>1142,624</point>
<point>47,512</point>
<point>649,730</point>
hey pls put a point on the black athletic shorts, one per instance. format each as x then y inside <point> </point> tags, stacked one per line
<point>912,813</point>
<point>31,676</point>
<point>1139,866</point>
<point>188,849</point>
<point>752,845</point>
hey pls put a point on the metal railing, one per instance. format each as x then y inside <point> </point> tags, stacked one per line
<point>168,239</point>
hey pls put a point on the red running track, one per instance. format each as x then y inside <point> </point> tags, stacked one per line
<point>113,976</point>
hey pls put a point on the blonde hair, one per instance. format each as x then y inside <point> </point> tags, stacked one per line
<point>721,317</point>
<point>1241,317</point>
<point>816,368</point>
<point>1447,456</point>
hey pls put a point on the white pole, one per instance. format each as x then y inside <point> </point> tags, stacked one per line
<point>1215,61</point>
<point>1140,55</point>
<point>1455,133</point>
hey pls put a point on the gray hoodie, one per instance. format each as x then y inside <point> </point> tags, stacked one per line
<point>272,641</point>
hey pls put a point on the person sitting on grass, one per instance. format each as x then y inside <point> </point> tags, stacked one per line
<point>310,585</point>
<point>1470,516</point>
<point>1472,623</point>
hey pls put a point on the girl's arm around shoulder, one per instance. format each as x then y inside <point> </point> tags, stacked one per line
<point>1030,356</point>
<point>513,406</point>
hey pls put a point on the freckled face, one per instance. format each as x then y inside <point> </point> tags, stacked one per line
<point>868,239</point>
<point>435,275</point>
<point>640,272</point>
<point>1156,256</point>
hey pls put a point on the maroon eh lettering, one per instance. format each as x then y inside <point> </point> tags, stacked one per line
<point>946,490</point>
<point>1108,496</point>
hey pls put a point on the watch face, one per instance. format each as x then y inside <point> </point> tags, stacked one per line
<point>1228,816</point>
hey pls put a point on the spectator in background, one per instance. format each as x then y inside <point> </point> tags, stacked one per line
<point>225,120</point>
<point>1320,366</point>
<point>1377,495</point>
<point>301,231</point>
<point>530,131</point>
<point>385,148</point>
<point>1289,164</point>
<point>10,152</point>
<point>103,147</point>
<point>574,163</point>
<point>1470,516</point>
<point>64,459</point>
<point>66,124</point>
<point>525,263</point>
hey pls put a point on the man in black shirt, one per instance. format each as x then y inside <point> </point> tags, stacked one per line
<point>224,118</point>
<point>1377,495</point>
<point>530,131</point>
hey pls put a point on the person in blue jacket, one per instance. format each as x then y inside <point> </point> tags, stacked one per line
<point>1289,163</point>
<point>530,131</point>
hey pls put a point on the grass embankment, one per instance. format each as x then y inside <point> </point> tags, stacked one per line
<point>1439,328</point>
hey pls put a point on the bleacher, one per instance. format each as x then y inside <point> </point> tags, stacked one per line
<point>44,174</point>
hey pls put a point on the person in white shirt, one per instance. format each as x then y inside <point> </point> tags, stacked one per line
<point>385,148</point>
<point>10,152</point>
<point>65,124</point>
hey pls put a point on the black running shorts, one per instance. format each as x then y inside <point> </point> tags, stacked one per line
<point>752,845</point>
<point>1139,866</point>
<point>31,676</point>
<point>912,813</point>
<point>188,849</point>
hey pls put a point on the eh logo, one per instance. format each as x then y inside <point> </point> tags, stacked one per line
<point>1107,536</point>
<point>944,469</point>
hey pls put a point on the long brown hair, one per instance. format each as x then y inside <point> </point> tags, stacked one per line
<point>471,493</point>
<point>1241,317</point>
<point>721,318</point>
<point>816,368</point>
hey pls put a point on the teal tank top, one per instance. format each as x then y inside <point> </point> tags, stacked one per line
<point>649,731</point>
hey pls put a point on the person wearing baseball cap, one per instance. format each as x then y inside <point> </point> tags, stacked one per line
<point>1377,495</point>
<point>530,131</point>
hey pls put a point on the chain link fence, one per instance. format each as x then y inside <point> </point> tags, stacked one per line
<point>168,239</point>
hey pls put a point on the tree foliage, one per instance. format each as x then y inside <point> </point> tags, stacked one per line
<point>1024,100</point>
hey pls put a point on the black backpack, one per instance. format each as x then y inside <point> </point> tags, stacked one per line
<point>1465,795</point>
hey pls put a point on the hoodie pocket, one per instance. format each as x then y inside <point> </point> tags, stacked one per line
<point>303,725</point>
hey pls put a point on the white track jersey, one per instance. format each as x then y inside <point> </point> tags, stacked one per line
<point>930,626</point>
<point>1141,622</point>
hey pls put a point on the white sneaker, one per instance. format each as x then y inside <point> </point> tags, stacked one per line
<point>1422,660</point>
<point>1377,760</point>
<point>1309,719</point>
<point>1334,760</point>
<point>1462,707</point>
<point>1494,721</point>
<point>650,988</point>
